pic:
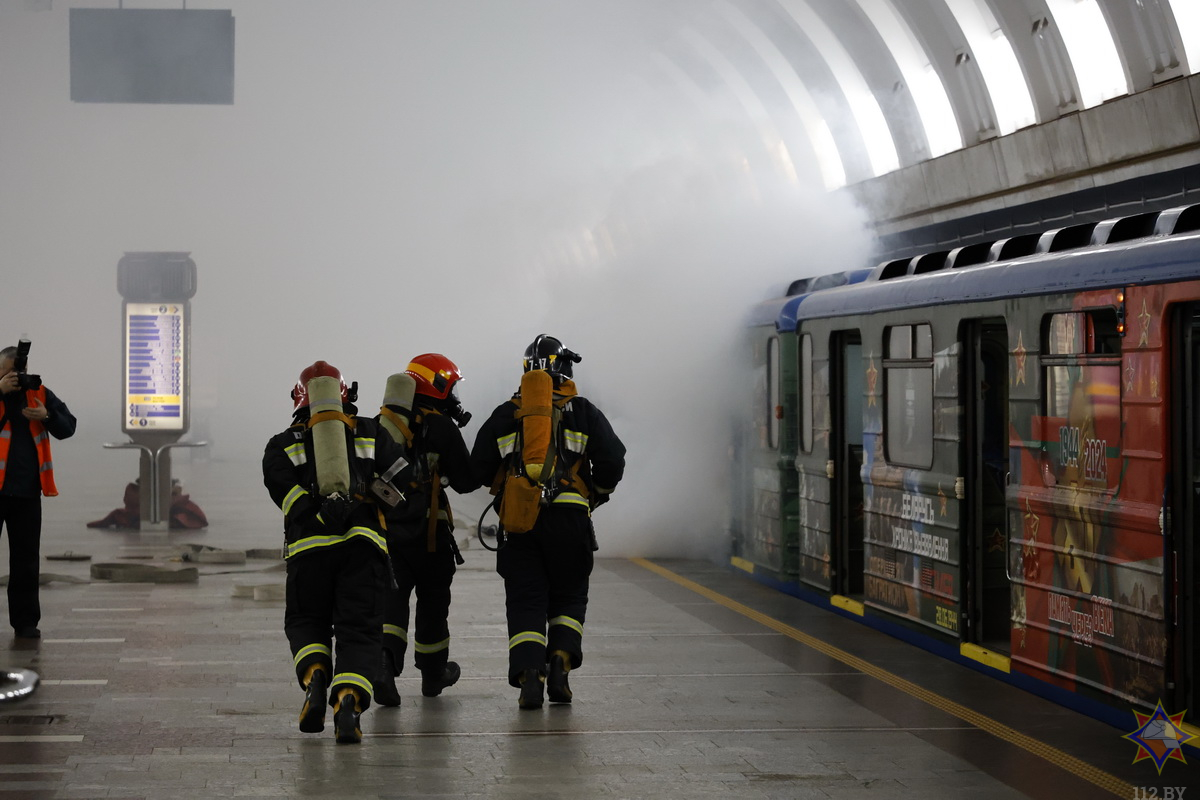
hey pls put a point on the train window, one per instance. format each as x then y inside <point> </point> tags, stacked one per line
<point>923,341</point>
<point>1066,334</point>
<point>774,407</point>
<point>1093,332</point>
<point>900,342</point>
<point>1082,396</point>
<point>806,387</point>
<point>908,379</point>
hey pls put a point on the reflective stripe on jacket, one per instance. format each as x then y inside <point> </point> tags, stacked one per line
<point>41,443</point>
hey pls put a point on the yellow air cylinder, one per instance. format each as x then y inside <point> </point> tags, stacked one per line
<point>398,394</point>
<point>537,396</point>
<point>329,436</point>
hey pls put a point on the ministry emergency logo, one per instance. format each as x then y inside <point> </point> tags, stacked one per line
<point>1159,736</point>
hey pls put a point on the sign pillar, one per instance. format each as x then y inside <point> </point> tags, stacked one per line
<point>157,288</point>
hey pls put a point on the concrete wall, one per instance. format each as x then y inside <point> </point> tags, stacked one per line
<point>1148,132</point>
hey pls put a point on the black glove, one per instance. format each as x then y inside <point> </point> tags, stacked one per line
<point>336,509</point>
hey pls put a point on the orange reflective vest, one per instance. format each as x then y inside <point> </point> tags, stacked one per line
<point>41,442</point>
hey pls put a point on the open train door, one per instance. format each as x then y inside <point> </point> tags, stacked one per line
<point>846,450</point>
<point>1183,554</point>
<point>985,587</point>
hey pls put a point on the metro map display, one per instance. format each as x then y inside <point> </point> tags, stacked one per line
<point>154,366</point>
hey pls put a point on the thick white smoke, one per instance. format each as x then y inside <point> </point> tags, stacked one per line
<point>397,178</point>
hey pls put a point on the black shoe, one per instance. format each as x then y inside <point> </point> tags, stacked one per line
<point>532,684</point>
<point>346,720</point>
<point>556,681</point>
<point>28,633</point>
<point>386,693</point>
<point>433,681</point>
<point>312,715</point>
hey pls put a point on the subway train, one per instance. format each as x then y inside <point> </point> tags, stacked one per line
<point>993,452</point>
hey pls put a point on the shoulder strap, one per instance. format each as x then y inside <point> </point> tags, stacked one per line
<point>322,416</point>
<point>398,421</point>
<point>552,450</point>
<point>434,508</point>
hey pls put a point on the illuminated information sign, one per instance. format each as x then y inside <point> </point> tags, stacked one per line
<point>154,368</point>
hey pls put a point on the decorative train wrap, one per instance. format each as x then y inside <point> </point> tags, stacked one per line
<point>993,452</point>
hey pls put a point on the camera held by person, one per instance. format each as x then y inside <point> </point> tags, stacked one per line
<point>25,381</point>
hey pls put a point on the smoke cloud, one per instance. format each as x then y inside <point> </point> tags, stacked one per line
<point>404,177</point>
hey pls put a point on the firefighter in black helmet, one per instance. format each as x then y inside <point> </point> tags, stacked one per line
<point>318,472</point>
<point>546,569</point>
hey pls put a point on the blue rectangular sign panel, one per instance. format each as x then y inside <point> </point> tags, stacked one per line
<point>154,367</point>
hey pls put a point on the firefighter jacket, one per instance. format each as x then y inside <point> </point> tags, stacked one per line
<point>26,467</point>
<point>440,459</point>
<point>590,457</point>
<point>289,473</point>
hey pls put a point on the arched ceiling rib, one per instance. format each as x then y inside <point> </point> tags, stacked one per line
<point>864,87</point>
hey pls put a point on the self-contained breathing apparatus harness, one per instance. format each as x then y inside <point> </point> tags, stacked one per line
<point>546,480</point>
<point>420,476</point>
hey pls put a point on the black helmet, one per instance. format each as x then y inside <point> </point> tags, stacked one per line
<point>548,353</point>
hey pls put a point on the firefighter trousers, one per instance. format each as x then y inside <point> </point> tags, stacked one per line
<point>546,572</point>
<point>334,613</point>
<point>429,575</point>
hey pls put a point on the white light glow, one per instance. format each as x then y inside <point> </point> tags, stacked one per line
<point>877,136</point>
<point>928,92</point>
<point>741,89</point>
<point>829,159</point>
<point>1187,19</point>
<point>998,64</point>
<point>1093,52</point>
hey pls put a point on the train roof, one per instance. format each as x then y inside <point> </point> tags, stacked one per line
<point>767,311</point>
<point>1154,247</point>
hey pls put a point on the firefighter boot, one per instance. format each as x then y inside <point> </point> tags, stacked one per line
<point>532,684</point>
<point>346,723</point>
<point>386,693</point>
<point>312,714</point>
<point>557,687</point>
<point>434,680</point>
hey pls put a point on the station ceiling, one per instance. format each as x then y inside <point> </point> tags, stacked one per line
<point>862,88</point>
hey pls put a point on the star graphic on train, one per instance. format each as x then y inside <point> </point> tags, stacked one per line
<point>872,380</point>
<point>995,542</point>
<point>1146,318</point>
<point>1019,354</point>
<point>1029,551</point>
<point>1159,736</point>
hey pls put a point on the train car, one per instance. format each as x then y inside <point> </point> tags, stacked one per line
<point>994,452</point>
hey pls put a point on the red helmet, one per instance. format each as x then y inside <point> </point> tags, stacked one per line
<point>317,370</point>
<point>434,374</point>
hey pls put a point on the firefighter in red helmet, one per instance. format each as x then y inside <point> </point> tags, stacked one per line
<point>420,537</point>
<point>320,472</point>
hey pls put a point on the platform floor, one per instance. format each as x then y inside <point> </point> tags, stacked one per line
<point>699,683</point>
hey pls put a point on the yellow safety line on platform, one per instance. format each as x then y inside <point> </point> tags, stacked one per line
<point>1087,772</point>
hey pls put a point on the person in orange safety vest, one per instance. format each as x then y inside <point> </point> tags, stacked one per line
<point>29,415</point>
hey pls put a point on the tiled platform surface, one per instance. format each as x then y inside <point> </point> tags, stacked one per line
<point>184,691</point>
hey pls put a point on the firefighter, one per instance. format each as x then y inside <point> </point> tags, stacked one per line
<point>319,472</point>
<point>546,568</point>
<point>421,536</point>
